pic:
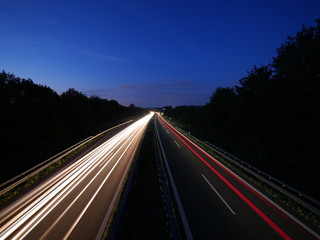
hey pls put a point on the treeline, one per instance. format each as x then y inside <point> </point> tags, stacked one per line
<point>272,117</point>
<point>36,122</point>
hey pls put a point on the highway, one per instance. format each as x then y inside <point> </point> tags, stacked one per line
<point>76,202</point>
<point>213,202</point>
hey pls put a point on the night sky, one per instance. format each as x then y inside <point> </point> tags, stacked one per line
<point>149,53</point>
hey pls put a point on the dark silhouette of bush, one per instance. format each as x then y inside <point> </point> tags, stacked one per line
<point>36,122</point>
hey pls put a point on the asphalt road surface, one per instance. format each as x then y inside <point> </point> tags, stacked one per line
<point>76,202</point>
<point>214,203</point>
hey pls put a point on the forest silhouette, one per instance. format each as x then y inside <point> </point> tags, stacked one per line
<point>272,117</point>
<point>36,122</point>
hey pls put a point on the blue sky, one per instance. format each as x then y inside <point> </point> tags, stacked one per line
<point>150,53</point>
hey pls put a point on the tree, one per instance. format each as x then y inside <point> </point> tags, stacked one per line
<point>220,110</point>
<point>298,59</point>
<point>40,123</point>
<point>132,106</point>
<point>272,115</point>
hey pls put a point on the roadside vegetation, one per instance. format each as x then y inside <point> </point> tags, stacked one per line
<point>271,118</point>
<point>36,122</point>
<point>56,163</point>
<point>303,213</point>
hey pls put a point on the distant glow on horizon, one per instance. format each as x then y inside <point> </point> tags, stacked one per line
<point>148,53</point>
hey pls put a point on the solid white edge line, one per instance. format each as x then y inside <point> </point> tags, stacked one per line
<point>114,199</point>
<point>96,193</point>
<point>263,195</point>
<point>175,192</point>
<point>63,196</point>
<point>219,195</point>
<point>66,236</point>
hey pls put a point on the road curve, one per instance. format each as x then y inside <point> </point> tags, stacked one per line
<point>216,203</point>
<point>76,202</point>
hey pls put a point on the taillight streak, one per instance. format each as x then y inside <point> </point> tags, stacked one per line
<point>244,198</point>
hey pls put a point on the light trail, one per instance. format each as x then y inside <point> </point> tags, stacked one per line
<point>184,140</point>
<point>24,215</point>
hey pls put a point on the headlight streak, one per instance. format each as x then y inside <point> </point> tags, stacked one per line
<point>97,191</point>
<point>45,187</point>
<point>28,228</point>
<point>61,183</point>
<point>48,200</point>
<point>24,215</point>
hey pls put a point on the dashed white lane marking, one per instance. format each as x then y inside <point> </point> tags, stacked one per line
<point>219,195</point>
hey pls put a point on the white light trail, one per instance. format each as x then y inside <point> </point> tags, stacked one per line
<point>20,218</point>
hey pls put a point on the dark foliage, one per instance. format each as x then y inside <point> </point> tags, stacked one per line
<point>272,118</point>
<point>35,122</point>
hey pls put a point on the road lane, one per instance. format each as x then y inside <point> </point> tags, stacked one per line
<point>208,217</point>
<point>73,203</point>
<point>222,199</point>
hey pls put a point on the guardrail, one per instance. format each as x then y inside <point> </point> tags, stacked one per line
<point>300,197</point>
<point>13,182</point>
<point>282,187</point>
